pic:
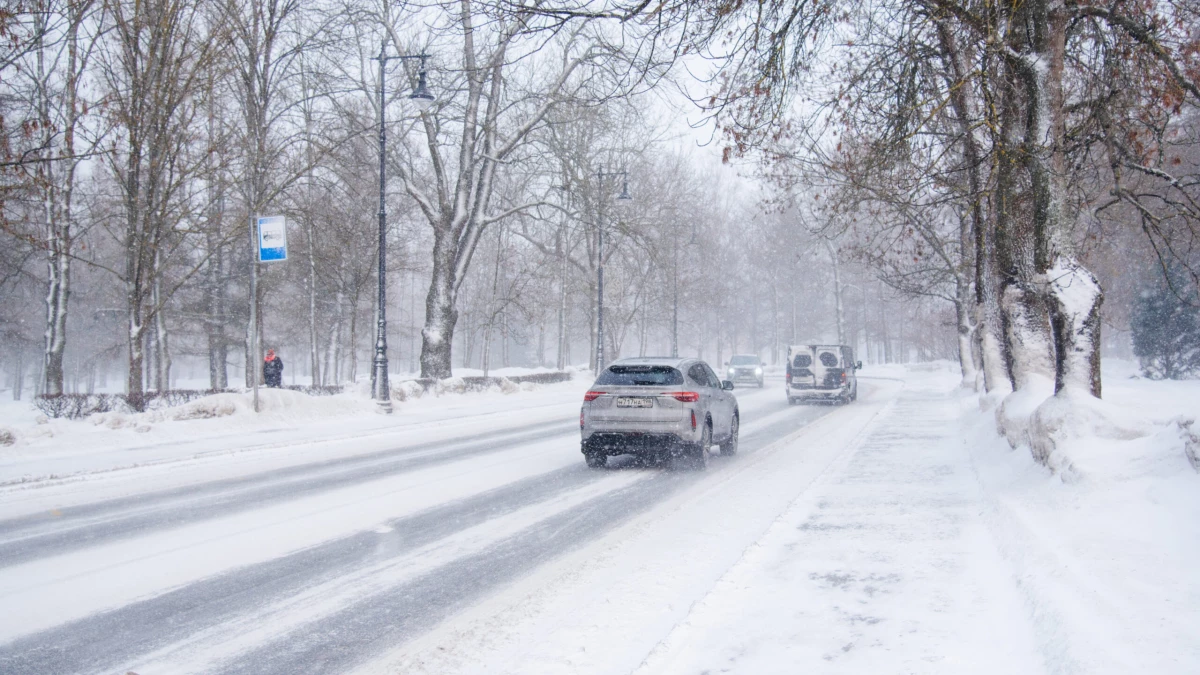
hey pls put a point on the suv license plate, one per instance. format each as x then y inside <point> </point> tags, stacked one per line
<point>628,402</point>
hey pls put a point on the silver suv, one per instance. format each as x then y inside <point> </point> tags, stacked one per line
<point>658,408</point>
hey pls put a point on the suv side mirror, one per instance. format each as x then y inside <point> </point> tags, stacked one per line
<point>858,366</point>
<point>727,385</point>
<point>727,363</point>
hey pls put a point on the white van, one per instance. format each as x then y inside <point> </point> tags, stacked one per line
<point>821,372</point>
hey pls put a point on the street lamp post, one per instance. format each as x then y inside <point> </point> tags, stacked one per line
<point>601,176</point>
<point>380,390</point>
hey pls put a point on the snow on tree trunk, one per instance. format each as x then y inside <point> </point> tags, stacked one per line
<point>966,355</point>
<point>991,348</point>
<point>1027,336</point>
<point>59,282</point>
<point>1074,299</point>
<point>133,384</point>
<point>162,362</point>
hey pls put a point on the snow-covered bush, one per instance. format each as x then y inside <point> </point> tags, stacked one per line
<point>206,408</point>
<point>451,385</point>
<point>7,436</point>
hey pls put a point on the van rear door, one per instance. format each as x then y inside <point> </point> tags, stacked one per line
<point>827,368</point>
<point>800,368</point>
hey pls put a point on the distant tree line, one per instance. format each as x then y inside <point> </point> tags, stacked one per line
<point>945,179</point>
<point>140,138</point>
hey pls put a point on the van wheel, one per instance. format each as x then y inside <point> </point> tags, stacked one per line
<point>730,446</point>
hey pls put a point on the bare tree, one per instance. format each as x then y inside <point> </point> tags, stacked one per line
<point>153,65</point>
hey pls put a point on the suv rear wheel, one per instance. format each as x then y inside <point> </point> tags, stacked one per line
<point>703,449</point>
<point>596,460</point>
<point>729,447</point>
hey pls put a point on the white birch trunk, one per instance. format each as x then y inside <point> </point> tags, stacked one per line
<point>162,364</point>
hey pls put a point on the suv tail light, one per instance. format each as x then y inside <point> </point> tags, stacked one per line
<point>581,418</point>
<point>684,396</point>
<point>843,376</point>
<point>693,420</point>
<point>789,377</point>
<point>593,395</point>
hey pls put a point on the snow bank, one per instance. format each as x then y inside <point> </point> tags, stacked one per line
<point>1104,534</point>
<point>1015,411</point>
<point>278,404</point>
<point>1066,430</point>
<point>1073,433</point>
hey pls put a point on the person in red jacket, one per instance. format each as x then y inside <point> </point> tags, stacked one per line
<point>273,369</point>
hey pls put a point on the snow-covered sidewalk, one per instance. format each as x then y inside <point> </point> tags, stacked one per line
<point>884,566</point>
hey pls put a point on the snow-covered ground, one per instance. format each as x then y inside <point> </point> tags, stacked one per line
<point>288,422</point>
<point>463,534</point>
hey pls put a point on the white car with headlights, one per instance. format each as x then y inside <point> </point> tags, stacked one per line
<point>744,368</point>
<point>658,408</point>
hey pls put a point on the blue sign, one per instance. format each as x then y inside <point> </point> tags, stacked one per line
<point>272,239</point>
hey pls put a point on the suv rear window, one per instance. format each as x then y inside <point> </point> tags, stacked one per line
<point>617,376</point>
<point>802,361</point>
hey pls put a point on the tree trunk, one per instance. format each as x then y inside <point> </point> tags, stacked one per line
<point>837,293</point>
<point>18,373</point>
<point>966,356</point>
<point>133,385</point>
<point>1071,293</point>
<point>218,349</point>
<point>441,314</point>
<point>313,343</point>
<point>162,363</point>
<point>58,215</point>
<point>1074,299</point>
<point>354,336</point>
<point>333,351</point>
<point>56,310</point>
<point>541,345</point>
<point>561,360</point>
<point>1026,335</point>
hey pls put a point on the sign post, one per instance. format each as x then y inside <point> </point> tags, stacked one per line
<point>269,236</point>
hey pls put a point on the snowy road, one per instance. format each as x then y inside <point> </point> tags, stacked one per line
<point>325,565</point>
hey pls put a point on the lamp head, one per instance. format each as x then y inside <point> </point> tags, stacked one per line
<point>624,189</point>
<point>421,95</point>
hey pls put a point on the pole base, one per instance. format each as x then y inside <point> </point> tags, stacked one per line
<point>383,407</point>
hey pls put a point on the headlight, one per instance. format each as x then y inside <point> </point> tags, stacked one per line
<point>731,371</point>
<point>758,371</point>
